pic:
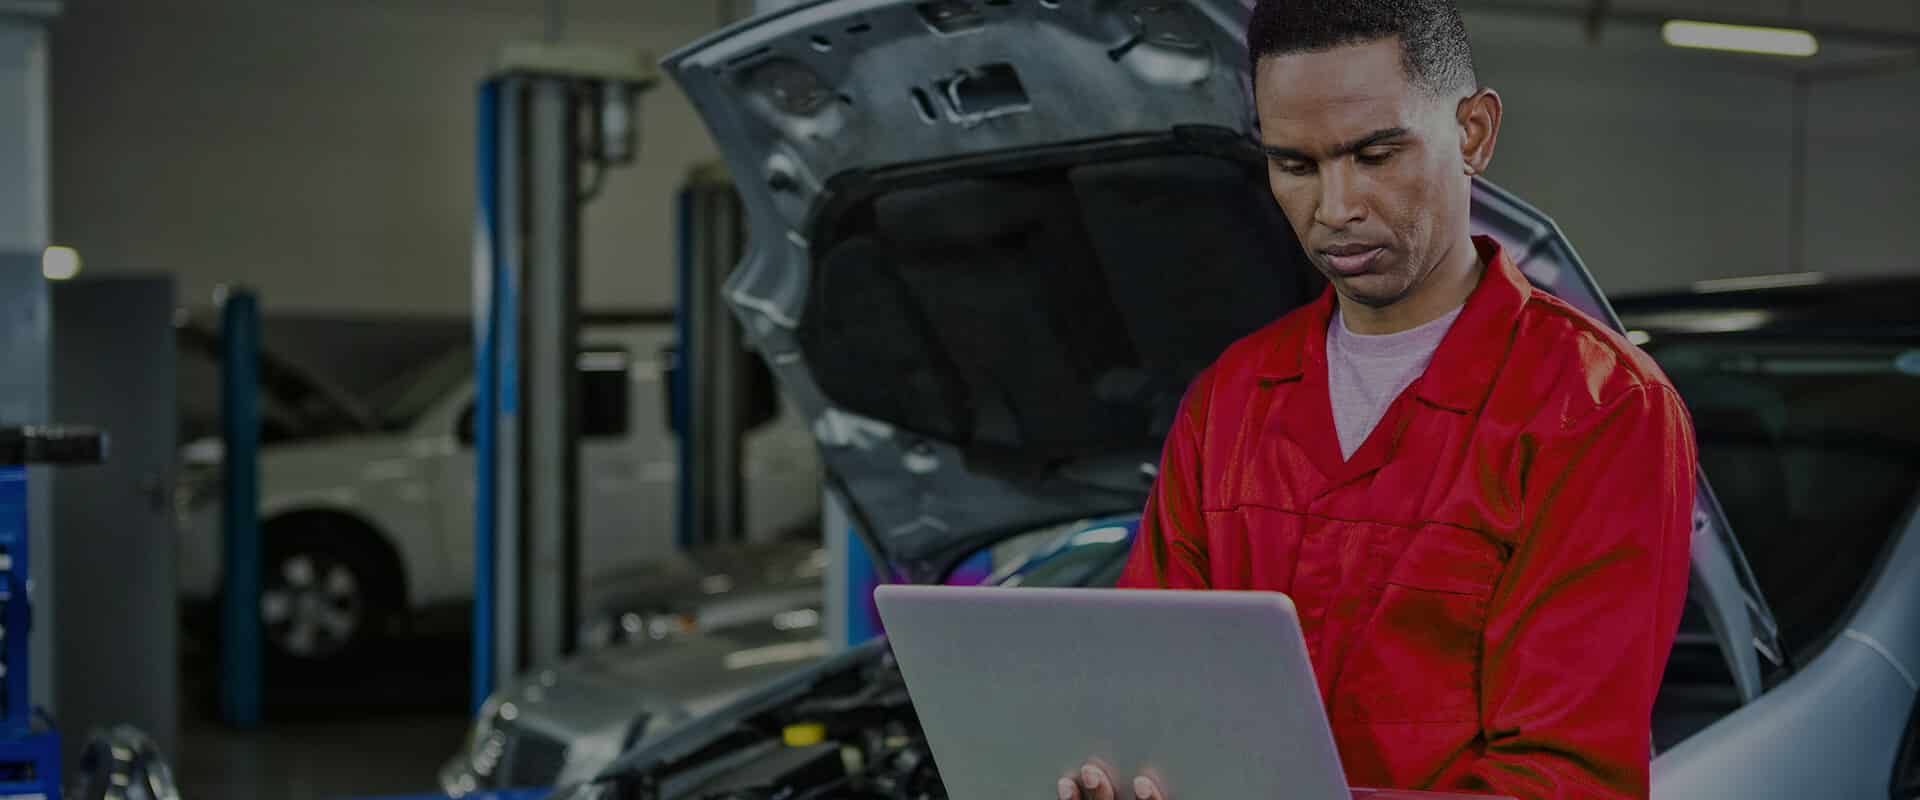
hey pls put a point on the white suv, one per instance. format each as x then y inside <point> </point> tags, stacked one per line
<point>366,509</point>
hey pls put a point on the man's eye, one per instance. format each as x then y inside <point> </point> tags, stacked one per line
<point>1292,167</point>
<point>1374,157</point>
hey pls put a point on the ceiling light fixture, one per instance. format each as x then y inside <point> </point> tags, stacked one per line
<point>59,263</point>
<point>1740,38</point>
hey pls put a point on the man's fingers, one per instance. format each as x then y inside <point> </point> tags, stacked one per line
<point>1145,789</point>
<point>1095,783</point>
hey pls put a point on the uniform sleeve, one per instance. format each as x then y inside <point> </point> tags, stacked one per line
<point>1170,551</point>
<point>1579,629</point>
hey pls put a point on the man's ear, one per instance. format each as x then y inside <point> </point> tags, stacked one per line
<point>1479,117</point>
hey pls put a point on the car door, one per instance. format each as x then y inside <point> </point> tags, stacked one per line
<point>445,437</point>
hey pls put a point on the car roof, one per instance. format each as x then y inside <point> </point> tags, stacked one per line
<point>1803,303</point>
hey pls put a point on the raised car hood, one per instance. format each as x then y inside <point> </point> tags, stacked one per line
<point>992,242</point>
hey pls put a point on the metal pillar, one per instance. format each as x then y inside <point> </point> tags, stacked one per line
<point>714,366</point>
<point>547,112</point>
<point>552,444</point>
<point>242,684</point>
<point>24,318</point>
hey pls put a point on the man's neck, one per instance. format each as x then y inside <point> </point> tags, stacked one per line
<point>1445,288</point>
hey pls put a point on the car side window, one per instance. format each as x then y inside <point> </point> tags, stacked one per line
<point>1814,451</point>
<point>606,387</point>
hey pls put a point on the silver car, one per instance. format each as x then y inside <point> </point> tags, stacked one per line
<point>694,636</point>
<point>993,241</point>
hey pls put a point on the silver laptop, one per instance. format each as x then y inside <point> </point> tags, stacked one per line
<point>1211,693</point>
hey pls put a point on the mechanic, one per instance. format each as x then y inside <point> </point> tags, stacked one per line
<point>1478,499</point>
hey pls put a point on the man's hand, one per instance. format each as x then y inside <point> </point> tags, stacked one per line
<point>1093,784</point>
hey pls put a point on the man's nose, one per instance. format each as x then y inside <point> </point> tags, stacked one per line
<point>1341,204</point>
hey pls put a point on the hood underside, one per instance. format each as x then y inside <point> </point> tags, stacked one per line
<point>992,243</point>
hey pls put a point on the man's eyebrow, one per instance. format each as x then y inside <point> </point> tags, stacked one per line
<point>1362,143</point>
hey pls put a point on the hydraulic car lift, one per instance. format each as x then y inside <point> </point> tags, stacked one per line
<point>548,111</point>
<point>29,745</point>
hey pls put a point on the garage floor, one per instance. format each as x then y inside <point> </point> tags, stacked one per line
<point>316,760</point>
<point>383,727</point>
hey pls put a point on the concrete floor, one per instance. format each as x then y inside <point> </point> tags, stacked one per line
<point>382,726</point>
<point>316,760</point>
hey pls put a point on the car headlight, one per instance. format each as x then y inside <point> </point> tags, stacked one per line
<point>477,765</point>
<point>636,627</point>
<point>501,751</point>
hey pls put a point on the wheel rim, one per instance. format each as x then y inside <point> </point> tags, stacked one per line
<point>313,605</point>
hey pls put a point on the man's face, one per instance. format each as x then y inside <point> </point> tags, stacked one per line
<point>1366,165</point>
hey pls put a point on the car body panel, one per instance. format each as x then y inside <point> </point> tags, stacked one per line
<point>588,709</point>
<point>1889,621</point>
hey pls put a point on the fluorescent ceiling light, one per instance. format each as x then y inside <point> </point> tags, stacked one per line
<point>60,263</point>
<point>1739,38</point>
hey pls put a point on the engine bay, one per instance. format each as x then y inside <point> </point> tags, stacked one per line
<point>849,732</point>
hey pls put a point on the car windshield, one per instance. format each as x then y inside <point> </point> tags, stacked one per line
<point>292,406</point>
<point>1814,451</point>
<point>400,402</point>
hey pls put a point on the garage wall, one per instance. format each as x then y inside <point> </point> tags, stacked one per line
<point>23,133</point>
<point>322,151</point>
<point>1666,166</point>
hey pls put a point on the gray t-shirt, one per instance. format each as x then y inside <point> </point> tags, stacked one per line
<point>1366,373</point>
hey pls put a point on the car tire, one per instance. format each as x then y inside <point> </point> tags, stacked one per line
<point>329,586</point>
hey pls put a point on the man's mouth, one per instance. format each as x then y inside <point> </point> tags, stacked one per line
<point>1352,259</point>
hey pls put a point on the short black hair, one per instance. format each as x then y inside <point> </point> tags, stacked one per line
<point>1433,37</point>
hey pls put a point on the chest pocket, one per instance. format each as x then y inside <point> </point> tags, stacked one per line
<point>1417,657</point>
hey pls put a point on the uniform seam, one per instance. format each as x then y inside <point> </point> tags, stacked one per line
<point>1325,518</point>
<point>1614,403</point>
<point>1581,325</point>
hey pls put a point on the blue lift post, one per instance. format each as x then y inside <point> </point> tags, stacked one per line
<point>494,382</point>
<point>29,745</point>
<point>241,680</point>
<point>31,756</point>
<point>711,373</point>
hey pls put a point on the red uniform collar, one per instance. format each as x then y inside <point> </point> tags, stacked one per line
<point>1464,365</point>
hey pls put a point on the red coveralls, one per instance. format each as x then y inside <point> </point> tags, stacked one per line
<point>1490,587</point>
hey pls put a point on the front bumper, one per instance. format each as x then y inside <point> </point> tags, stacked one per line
<point>505,794</point>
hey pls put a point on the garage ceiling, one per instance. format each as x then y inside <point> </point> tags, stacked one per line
<point>1901,16</point>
